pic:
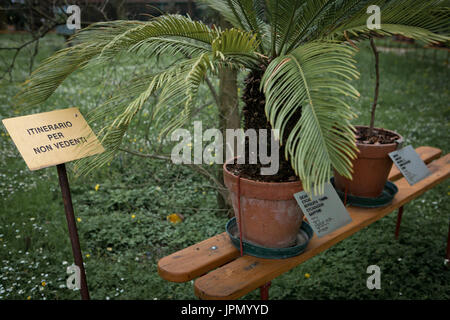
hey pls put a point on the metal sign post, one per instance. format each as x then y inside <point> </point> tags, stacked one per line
<point>54,138</point>
<point>73,232</point>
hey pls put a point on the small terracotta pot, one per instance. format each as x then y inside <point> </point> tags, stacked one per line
<point>370,169</point>
<point>270,214</point>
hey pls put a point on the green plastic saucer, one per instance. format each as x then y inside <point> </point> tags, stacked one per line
<point>255,250</point>
<point>389,191</point>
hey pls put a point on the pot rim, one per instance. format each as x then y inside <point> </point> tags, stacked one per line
<point>256,182</point>
<point>397,142</point>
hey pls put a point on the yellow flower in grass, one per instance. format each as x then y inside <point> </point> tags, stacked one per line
<point>174,218</point>
<point>88,255</point>
<point>79,219</point>
<point>29,298</point>
<point>133,216</point>
<point>307,275</point>
<point>43,283</point>
<point>97,186</point>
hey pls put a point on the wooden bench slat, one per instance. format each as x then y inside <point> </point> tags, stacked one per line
<point>247,273</point>
<point>196,260</point>
<point>427,154</point>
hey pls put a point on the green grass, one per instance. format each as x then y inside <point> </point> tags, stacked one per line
<point>123,227</point>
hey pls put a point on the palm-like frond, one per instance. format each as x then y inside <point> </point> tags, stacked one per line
<point>154,33</point>
<point>202,49</point>
<point>55,69</point>
<point>312,78</point>
<point>307,21</point>
<point>282,16</point>
<point>247,15</point>
<point>425,21</point>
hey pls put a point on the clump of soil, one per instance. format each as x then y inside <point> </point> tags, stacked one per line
<point>255,118</point>
<point>379,136</point>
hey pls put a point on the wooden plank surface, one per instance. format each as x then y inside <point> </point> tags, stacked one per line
<point>247,273</point>
<point>196,260</point>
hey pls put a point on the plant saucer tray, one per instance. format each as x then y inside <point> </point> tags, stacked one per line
<point>386,197</point>
<point>269,253</point>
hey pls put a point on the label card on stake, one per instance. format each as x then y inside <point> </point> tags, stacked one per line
<point>325,213</point>
<point>408,161</point>
<point>50,138</point>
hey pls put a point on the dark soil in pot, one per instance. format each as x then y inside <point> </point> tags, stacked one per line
<point>372,166</point>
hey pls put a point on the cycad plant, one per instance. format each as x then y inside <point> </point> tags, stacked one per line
<point>297,55</point>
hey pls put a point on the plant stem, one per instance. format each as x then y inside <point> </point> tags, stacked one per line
<point>377,85</point>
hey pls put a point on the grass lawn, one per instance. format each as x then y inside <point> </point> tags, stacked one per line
<point>123,222</point>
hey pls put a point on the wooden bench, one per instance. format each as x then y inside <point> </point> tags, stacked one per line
<point>221,273</point>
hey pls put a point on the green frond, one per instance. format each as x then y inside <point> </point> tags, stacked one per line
<point>308,20</point>
<point>244,11</point>
<point>248,15</point>
<point>426,21</point>
<point>171,27</point>
<point>283,17</point>
<point>117,113</point>
<point>55,69</point>
<point>156,46</point>
<point>312,78</point>
<point>184,91</point>
<point>236,45</point>
<point>224,10</point>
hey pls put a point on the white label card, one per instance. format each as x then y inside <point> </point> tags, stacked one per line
<point>408,161</point>
<point>325,213</point>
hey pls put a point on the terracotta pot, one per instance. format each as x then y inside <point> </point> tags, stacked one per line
<point>370,169</point>
<point>270,214</point>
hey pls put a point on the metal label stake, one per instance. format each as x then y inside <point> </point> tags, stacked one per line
<point>73,232</point>
<point>54,138</point>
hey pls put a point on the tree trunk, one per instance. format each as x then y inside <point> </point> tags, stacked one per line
<point>377,86</point>
<point>229,117</point>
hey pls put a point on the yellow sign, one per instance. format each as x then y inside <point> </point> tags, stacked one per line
<point>51,138</point>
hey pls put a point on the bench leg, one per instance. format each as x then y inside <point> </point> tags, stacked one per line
<point>264,291</point>
<point>399,220</point>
